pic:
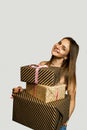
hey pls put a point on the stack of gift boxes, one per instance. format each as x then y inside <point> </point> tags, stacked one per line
<point>42,82</point>
<point>39,106</point>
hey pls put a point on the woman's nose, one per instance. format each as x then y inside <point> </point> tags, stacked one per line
<point>58,47</point>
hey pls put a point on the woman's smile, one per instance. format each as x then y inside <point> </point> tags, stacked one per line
<point>56,50</point>
<point>61,49</point>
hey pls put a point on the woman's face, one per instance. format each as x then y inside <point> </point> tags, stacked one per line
<point>61,49</point>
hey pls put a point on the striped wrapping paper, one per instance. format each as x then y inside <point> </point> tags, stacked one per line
<point>46,93</point>
<point>46,75</point>
<point>35,114</point>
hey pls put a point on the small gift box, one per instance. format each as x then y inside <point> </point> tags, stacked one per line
<point>40,74</point>
<point>46,93</point>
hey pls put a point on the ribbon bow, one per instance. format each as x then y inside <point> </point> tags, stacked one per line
<point>37,67</point>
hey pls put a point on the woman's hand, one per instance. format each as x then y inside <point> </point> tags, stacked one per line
<point>17,90</point>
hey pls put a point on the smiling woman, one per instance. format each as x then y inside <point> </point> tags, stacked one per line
<point>61,49</point>
<point>64,55</point>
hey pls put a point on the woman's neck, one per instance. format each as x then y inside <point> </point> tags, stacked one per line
<point>57,62</point>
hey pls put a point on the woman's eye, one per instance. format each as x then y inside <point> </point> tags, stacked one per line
<point>63,48</point>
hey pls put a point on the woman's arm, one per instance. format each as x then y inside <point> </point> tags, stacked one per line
<point>72,93</point>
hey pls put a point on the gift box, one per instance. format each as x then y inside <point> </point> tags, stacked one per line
<point>35,114</point>
<point>40,74</point>
<point>46,93</point>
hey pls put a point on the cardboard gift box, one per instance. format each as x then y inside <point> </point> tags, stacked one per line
<point>46,93</point>
<point>40,74</point>
<point>35,114</point>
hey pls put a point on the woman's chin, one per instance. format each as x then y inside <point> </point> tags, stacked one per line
<point>54,54</point>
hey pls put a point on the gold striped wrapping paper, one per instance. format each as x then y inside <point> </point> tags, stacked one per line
<point>46,93</point>
<point>35,114</point>
<point>46,76</point>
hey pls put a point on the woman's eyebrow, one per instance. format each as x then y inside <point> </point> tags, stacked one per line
<point>59,42</point>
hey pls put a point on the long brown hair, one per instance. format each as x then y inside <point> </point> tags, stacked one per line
<point>72,57</point>
<point>69,65</point>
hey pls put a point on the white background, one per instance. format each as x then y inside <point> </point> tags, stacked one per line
<point>28,30</point>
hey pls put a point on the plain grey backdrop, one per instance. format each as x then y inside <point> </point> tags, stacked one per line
<point>28,30</point>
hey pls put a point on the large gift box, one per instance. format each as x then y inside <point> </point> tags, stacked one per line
<point>46,93</point>
<point>40,74</point>
<point>35,114</point>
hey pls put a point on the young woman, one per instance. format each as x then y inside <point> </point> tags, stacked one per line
<point>64,55</point>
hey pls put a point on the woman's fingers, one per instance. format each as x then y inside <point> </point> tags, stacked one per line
<point>17,90</point>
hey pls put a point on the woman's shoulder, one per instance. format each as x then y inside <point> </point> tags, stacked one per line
<point>43,62</point>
